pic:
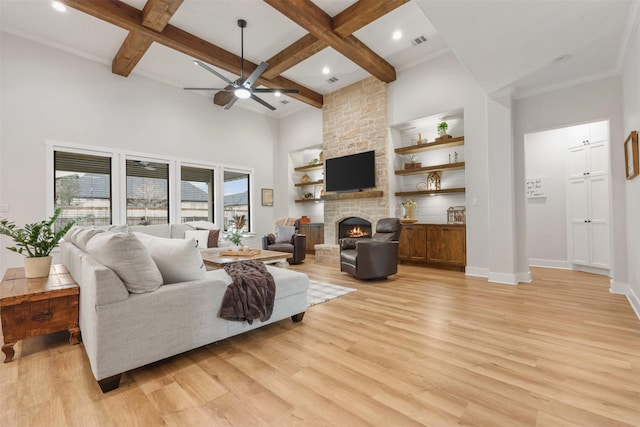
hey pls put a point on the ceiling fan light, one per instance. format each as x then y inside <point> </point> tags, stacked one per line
<point>58,6</point>
<point>242,93</point>
<point>277,94</point>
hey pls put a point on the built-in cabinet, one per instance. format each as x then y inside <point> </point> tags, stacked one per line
<point>588,196</point>
<point>434,245</point>
<point>315,234</point>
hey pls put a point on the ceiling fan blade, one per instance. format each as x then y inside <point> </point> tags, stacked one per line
<point>209,88</point>
<point>275,90</point>
<point>214,72</point>
<point>230,104</point>
<point>261,101</point>
<point>254,76</point>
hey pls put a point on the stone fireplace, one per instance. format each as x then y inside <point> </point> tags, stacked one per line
<point>354,120</point>
<point>354,227</point>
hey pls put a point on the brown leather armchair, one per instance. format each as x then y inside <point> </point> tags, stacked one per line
<point>375,258</point>
<point>297,246</point>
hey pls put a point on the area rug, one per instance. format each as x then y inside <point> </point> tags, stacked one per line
<point>321,292</point>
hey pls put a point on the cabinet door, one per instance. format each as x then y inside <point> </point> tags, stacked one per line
<point>413,243</point>
<point>580,242</point>
<point>578,162</point>
<point>455,252</point>
<point>598,131</point>
<point>435,244</point>
<point>598,158</point>
<point>578,135</point>
<point>599,224</point>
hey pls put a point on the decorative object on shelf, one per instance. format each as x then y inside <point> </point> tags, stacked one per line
<point>315,161</point>
<point>631,155</point>
<point>308,195</point>
<point>413,164</point>
<point>321,156</point>
<point>422,186</point>
<point>305,219</point>
<point>305,178</point>
<point>409,206</point>
<point>36,241</point>
<point>420,141</point>
<point>433,181</point>
<point>442,130</point>
<point>267,197</point>
<point>235,237</point>
<point>455,157</point>
<point>456,215</point>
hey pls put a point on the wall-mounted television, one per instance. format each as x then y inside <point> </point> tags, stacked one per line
<point>354,172</point>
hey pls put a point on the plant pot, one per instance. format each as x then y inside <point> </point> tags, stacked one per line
<point>442,133</point>
<point>37,267</point>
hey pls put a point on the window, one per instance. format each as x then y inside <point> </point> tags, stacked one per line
<point>197,198</point>
<point>147,192</point>
<point>236,201</point>
<point>82,187</point>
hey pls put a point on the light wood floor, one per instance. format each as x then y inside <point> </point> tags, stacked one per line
<point>426,347</point>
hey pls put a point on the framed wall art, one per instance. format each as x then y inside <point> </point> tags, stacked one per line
<point>631,155</point>
<point>267,197</point>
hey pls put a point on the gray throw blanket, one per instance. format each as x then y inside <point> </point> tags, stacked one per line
<point>251,294</point>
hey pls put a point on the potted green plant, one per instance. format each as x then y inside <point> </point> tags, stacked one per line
<point>442,128</point>
<point>235,237</point>
<point>36,241</point>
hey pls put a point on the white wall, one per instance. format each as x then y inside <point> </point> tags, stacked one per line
<point>631,107</point>
<point>588,102</point>
<point>48,94</point>
<point>546,158</point>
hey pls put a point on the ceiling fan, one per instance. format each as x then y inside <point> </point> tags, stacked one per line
<point>242,88</point>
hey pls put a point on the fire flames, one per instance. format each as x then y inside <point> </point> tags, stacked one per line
<point>357,232</point>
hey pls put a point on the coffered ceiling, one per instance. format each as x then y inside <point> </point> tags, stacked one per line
<point>507,46</point>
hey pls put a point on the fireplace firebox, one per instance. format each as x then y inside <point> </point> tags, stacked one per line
<point>354,227</point>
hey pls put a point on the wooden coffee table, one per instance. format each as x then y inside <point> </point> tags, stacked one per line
<point>214,259</point>
<point>31,307</point>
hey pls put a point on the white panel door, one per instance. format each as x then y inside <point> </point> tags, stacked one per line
<point>600,238</point>
<point>580,242</point>
<point>578,199</point>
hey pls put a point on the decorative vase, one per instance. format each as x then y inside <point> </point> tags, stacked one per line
<point>409,211</point>
<point>37,267</point>
<point>442,133</point>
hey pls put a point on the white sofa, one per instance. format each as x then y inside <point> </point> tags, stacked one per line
<point>123,330</point>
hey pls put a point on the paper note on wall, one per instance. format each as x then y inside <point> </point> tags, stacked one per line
<point>534,187</point>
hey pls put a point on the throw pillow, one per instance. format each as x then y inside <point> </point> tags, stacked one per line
<point>178,260</point>
<point>82,237</point>
<point>284,233</point>
<point>128,258</point>
<point>212,241</point>
<point>201,237</point>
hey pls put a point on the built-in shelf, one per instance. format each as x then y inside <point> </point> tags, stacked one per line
<point>443,143</point>
<point>308,168</point>
<point>308,200</point>
<point>354,195</point>
<point>435,168</point>
<point>308,184</point>
<point>430,192</point>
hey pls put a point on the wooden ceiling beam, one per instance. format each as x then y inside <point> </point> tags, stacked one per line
<point>155,15</point>
<point>321,25</point>
<point>128,17</point>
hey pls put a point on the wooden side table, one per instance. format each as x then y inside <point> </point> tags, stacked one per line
<point>31,307</point>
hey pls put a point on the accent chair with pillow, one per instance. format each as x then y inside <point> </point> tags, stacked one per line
<point>374,258</point>
<point>286,238</point>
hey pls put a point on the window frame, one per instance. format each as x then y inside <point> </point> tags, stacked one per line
<point>119,180</point>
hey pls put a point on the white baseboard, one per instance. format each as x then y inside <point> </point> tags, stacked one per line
<point>592,270</point>
<point>549,263</point>
<point>626,290</point>
<point>476,271</point>
<point>504,278</point>
<point>524,277</point>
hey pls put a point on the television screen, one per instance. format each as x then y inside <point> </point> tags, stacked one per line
<point>351,173</point>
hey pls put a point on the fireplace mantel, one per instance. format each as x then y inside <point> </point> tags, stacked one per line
<point>355,195</point>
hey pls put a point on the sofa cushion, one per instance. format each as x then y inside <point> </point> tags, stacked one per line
<point>200,236</point>
<point>128,258</point>
<point>82,237</point>
<point>212,240</point>
<point>281,247</point>
<point>178,230</point>
<point>178,260</point>
<point>158,230</point>
<point>284,233</point>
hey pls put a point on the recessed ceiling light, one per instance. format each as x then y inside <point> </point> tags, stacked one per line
<point>326,70</point>
<point>397,35</point>
<point>277,94</point>
<point>59,6</point>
